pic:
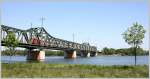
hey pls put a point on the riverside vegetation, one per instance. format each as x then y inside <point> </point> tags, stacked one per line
<point>24,52</point>
<point>30,70</point>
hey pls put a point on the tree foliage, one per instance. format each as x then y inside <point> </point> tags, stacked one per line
<point>11,42</point>
<point>108,51</point>
<point>123,51</point>
<point>134,35</point>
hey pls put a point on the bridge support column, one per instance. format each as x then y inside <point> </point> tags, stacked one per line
<point>35,55</point>
<point>85,54</point>
<point>70,54</point>
<point>93,54</point>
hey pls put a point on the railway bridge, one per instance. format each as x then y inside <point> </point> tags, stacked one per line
<point>37,39</point>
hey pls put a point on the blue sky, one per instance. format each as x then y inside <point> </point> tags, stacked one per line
<point>100,24</point>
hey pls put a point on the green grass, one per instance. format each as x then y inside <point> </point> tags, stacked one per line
<point>25,70</point>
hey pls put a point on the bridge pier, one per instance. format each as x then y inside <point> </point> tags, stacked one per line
<point>35,55</point>
<point>84,54</point>
<point>70,54</point>
<point>93,54</point>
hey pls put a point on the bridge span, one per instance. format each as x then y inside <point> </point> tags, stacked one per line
<point>39,38</point>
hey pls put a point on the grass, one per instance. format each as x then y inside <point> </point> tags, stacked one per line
<point>32,70</point>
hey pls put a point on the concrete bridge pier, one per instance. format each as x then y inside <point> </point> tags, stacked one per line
<point>93,54</point>
<point>84,54</point>
<point>35,54</point>
<point>70,54</point>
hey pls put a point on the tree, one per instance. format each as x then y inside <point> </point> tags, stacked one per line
<point>112,51</point>
<point>105,51</point>
<point>11,43</point>
<point>134,36</point>
<point>108,51</point>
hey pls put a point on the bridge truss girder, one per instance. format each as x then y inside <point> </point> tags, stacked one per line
<point>42,39</point>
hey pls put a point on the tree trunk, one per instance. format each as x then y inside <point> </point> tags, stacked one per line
<point>135,54</point>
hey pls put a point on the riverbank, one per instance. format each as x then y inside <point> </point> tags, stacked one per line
<point>30,70</point>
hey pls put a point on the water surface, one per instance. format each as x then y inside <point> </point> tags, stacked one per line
<point>99,60</point>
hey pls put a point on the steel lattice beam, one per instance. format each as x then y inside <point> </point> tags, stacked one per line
<point>40,38</point>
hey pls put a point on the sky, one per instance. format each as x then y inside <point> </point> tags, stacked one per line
<point>99,23</point>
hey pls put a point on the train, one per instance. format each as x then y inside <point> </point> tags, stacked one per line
<point>37,41</point>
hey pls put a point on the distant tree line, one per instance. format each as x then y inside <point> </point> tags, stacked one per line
<point>24,52</point>
<point>123,51</point>
<point>105,51</point>
<point>17,52</point>
<point>54,53</point>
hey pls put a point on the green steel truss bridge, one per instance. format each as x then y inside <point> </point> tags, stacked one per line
<point>39,38</point>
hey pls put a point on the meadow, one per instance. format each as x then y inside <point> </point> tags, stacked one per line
<point>42,70</point>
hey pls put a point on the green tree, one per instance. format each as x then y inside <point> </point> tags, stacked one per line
<point>134,36</point>
<point>108,51</point>
<point>112,51</point>
<point>105,51</point>
<point>11,43</point>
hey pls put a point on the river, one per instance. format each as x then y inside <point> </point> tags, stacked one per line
<point>99,60</point>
